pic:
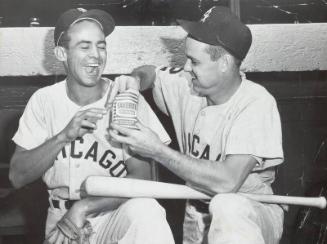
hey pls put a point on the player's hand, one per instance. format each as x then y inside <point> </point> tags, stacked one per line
<point>72,227</point>
<point>56,237</point>
<point>76,214</point>
<point>122,83</point>
<point>143,141</point>
<point>83,122</point>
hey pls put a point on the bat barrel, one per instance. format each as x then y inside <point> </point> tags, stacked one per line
<point>129,188</point>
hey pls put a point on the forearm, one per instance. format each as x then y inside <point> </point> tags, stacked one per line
<point>29,165</point>
<point>146,76</point>
<point>91,205</point>
<point>95,205</point>
<point>205,175</point>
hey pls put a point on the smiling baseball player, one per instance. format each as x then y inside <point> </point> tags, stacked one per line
<point>228,129</point>
<point>62,137</point>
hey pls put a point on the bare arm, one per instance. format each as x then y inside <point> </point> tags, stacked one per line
<point>146,75</point>
<point>137,168</point>
<point>29,165</point>
<point>209,176</point>
<point>141,78</point>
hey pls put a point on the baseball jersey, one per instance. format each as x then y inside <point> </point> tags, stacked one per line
<point>248,123</point>
<point>48,112</point>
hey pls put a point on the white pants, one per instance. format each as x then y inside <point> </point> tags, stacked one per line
<point>137,221</point>
<point>234,219</point>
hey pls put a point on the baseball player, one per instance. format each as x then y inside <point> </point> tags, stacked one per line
<point>62,136</point>
<point>228,129</point>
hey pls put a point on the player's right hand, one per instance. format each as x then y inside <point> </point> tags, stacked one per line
<point>122,83</point>
<point>83,122</point>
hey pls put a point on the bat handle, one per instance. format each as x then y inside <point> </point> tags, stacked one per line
<point>319,202</point>
<point>322,202</point>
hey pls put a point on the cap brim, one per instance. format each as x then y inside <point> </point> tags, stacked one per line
<point>198,31</point>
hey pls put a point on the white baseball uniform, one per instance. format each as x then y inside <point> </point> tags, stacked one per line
<point>47,113</point>
<point>248,123</point>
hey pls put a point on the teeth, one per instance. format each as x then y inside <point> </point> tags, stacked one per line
<point>93,65</point>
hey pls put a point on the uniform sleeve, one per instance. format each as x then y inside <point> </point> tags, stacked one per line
<point>149,119</point>
<point>257,132</point>
<point>32,127</point>
<point>169,88</point>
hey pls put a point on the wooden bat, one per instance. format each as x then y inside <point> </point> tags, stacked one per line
<point>130,188</point>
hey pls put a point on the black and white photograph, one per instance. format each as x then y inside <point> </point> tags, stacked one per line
<point>163,122</point>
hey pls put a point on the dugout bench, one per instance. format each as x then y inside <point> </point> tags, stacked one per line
<point>23,211</point>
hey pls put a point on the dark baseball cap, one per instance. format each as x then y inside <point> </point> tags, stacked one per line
<point>219,26</point>
<point>72,16</point>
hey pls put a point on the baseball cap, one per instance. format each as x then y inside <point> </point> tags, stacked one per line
<point>72,16</point>
<point>219,26</point>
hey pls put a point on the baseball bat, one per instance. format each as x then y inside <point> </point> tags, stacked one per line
<point>130,188</point>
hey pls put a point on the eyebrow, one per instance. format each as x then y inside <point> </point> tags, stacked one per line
<point>89,42</point>
<point>192,58</point>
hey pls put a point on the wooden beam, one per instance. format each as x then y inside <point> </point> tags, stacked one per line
<point>276,47</point>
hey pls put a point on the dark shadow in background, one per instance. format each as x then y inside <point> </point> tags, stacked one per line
<point>22,210</point>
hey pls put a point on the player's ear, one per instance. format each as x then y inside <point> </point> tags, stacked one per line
<point>60,53</point>
<point>224,62</point>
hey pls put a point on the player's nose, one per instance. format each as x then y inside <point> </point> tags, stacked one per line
<point>187,65</point>
<point>94,52</point>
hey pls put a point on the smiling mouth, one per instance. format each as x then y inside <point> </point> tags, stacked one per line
<point>193,80</point>
<point>93,65</point>
<point>93,69</point>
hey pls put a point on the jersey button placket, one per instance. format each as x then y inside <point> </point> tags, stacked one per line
<point>198,123</point>
<point>77,166</point>
<point>72,171</point>
<point>71,177</point>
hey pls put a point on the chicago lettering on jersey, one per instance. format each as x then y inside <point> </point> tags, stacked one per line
<point>196,151</point>
<point>106,159</point>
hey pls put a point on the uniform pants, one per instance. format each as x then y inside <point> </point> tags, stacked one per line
<point>137,221</point>
<point>234,219</point>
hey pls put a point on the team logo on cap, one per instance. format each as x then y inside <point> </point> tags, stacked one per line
<point>206,15</point>
<point>83,10</point>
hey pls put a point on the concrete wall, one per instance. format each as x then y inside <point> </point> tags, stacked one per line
<point>277,47</point>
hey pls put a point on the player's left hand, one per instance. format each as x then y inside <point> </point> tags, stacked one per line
<point>73,228</point>
<point>76,214</point>
<point>143,141</point>
<point>56,237</point>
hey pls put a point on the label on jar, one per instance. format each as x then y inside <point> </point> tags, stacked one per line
<point>124,109</point>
